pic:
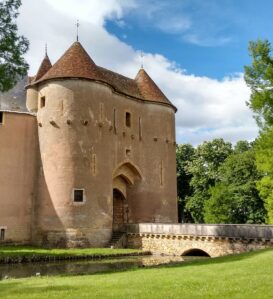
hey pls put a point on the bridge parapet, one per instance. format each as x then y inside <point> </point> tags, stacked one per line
<point>214,239</point>
<point>244,231</point>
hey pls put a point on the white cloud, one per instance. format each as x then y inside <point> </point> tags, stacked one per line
<point>174,25</point>
<point>95,11</point>
<point>206,41</point>
<point>207,108</point>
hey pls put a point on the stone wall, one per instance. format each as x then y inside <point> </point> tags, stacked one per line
<point>215,240</point>
<point>85,144</point>
<point>18,171</point>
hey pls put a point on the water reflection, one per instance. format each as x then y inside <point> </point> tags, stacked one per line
<point>87,267</point>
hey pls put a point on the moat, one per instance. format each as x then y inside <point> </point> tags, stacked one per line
<point>88,267</point>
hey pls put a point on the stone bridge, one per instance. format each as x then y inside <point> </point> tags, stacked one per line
<point>199,239</point>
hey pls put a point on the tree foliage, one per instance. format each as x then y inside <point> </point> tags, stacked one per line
<point>217,183</point>
<point>264,157</point>
<point>204,171</point>
<point>12,46</point>
<point>259,77</point>
<point>235,199</point>
<point>184,155</point>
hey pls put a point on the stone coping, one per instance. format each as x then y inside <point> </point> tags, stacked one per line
<point>244,231</point>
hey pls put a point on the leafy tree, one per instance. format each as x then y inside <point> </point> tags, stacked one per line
<point>12,46</point>
<point>259,77</point>
<point>218,208</point>
<point>184,155</point>
<point>203,168</point>
<point>264,158</point>
<point>235,199</point>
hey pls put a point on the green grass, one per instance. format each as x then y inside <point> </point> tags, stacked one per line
<point>29,251</point>
<point>245,276</point>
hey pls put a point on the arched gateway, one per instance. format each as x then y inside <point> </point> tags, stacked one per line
<point>126,175</point>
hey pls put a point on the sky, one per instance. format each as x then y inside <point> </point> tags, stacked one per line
<point>195,51</point>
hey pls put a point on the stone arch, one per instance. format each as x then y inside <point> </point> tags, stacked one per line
<point>195,252</point>
<point>128,172</point>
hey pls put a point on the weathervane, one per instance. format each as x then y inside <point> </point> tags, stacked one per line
<point>77,25</point>
<point>46,49</point>
<point>142,58</point>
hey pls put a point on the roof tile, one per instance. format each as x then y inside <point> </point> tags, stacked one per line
<point>76,63</point>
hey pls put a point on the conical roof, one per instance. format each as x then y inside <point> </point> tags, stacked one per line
<point>148,88</point>
<point>75,63</point>
<point>43,69</point>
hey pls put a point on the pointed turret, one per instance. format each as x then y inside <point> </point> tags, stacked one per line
<point>43,69</point>
<point>75,63</point>
<point>149,90</point>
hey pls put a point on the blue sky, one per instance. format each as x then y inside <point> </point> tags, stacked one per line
<point>206,37</point>
<point>195,51</point>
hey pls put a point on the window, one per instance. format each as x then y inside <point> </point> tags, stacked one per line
<point>42,102</point>
<point>128,119</point>
<point>1,117</point>
<point>128,152</point>
<point>78,195</point>
<point>2,234</point>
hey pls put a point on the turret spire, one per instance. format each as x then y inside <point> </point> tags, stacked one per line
<point>77,26</point>
<point>142,59</point>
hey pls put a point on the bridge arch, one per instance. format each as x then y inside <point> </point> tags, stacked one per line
<point>195,252</point>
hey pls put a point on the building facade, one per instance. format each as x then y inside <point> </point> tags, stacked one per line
<point>93,151</point>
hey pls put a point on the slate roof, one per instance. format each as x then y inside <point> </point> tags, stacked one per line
<point>76,63</point>
<point>15,99</point>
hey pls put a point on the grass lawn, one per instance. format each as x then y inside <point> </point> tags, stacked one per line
<point>28,251</point>
<point>244,276</point>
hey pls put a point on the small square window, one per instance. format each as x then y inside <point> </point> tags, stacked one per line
<point>128,119</point>
<point>128,152</point>
<point>2,234</point>
<point>78,195</point>
<point>1,117</point>
<point>42,102</point>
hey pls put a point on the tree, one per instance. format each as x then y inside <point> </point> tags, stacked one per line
<point>184,155</point>
<point>12,46</point>
<point>264,157</point>
<point>203,168</point>
<point>235,198</point>
<point>259,77</point>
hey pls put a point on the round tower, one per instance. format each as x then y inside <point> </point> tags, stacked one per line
<point>96,138</point>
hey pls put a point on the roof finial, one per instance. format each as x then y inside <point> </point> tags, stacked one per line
<point>77,25</point>
<point>45,49</point>
<point>142,58</point>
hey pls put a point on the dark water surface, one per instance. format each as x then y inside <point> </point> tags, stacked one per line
<point>87,267</point>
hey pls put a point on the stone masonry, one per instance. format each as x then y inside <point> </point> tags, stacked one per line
<point>214,240</point>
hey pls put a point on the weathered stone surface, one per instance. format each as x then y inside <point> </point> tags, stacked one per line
<point>78,138</point>
<point>215,240</point>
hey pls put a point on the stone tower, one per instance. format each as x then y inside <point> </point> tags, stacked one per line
<point>106,148</point>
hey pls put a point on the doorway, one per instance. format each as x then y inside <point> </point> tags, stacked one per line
<point>120,210</point>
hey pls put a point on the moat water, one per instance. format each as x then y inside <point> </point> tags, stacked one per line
<point>88,267</point>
